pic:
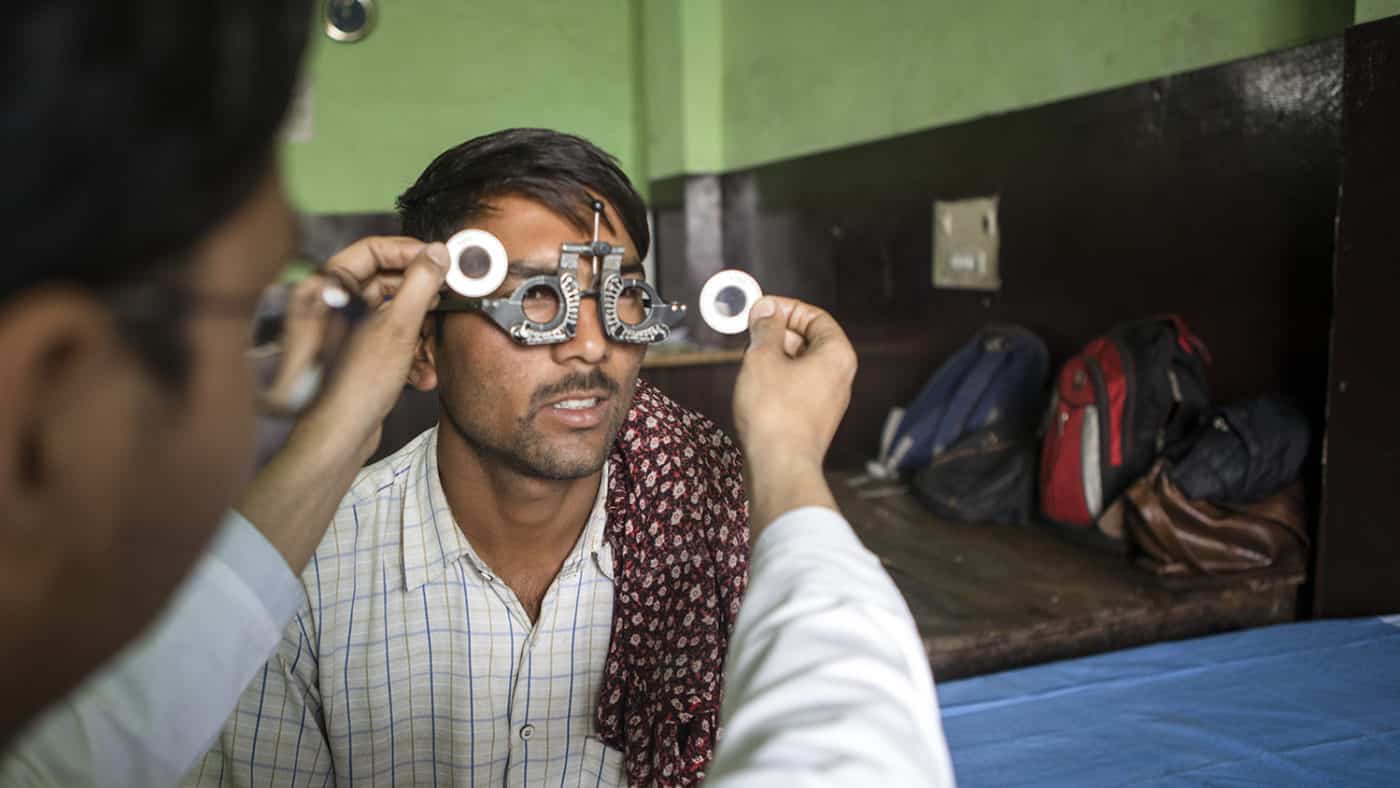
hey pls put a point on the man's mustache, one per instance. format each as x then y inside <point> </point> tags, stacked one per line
<point>575,383</point>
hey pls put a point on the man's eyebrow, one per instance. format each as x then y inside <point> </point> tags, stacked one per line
<point>524,269</point>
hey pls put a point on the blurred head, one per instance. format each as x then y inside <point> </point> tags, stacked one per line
<point>144,214</point>
<point>548,412</point>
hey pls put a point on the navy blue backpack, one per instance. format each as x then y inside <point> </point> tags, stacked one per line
<point>999,376</point>
<point>967,440</point>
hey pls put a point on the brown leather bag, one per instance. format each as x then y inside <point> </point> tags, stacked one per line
<point>1173,535</point>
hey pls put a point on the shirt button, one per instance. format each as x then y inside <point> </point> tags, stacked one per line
<point>527,732</point>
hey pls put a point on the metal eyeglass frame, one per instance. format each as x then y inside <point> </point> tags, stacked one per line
<point>509,312</point>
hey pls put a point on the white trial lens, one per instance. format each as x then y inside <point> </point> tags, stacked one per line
<point>478,263</point>
<point>727,298</point>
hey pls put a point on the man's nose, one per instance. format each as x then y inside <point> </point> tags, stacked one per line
<point>589,344</point>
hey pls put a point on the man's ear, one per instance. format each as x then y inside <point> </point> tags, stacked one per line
<point>75,424</point>
<point>422,375</point>
<point>64,414</point>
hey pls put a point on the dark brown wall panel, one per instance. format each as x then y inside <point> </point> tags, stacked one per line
<point>1211,194</point>
<point>1358,559</point>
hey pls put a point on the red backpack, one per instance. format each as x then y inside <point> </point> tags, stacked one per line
<point>1121,402</point>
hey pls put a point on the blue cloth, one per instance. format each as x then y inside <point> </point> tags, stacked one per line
<point>1314,703</point>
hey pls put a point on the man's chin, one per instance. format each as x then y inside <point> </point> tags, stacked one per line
<point>562,469</point>
<point>565,458</point>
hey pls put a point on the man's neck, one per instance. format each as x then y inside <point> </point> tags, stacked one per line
<point>521,526</point>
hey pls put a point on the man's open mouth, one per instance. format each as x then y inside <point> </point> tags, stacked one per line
<point>577,404</point>
<point>579,410</point>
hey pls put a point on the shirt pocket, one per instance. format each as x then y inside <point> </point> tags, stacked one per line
<point>600,765</point>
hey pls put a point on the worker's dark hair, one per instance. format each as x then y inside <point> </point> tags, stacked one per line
<point>131,130</point>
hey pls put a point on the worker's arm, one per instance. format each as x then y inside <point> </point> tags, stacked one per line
<point>294,497</point>
<point>826,679</point>
<point>146,716</point>
<point>150,713</point>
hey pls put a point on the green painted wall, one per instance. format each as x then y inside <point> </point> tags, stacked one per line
<point>808,75</point>
<point>1371,10</point>
<point>663,117</point>
<point>436,72</point>
<point>693,86</point>
<point>702,56</point>
<point>683,85</point>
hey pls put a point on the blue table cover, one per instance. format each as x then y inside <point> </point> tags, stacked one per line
<point>1314,703</point>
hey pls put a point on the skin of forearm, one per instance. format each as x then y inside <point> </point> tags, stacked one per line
<point>778,485</point>
<point>294,498</point>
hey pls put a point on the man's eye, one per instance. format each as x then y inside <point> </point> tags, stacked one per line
<point>540,304</point>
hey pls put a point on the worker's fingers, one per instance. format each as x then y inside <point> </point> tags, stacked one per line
<point>368,258</point>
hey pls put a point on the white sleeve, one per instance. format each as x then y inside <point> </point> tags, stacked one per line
<point>827,679</point>
<point>147,715</point>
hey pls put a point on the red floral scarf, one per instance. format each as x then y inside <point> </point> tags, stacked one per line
<point>679,527</point>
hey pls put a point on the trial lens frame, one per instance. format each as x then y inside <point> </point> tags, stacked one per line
<point>610,285</point>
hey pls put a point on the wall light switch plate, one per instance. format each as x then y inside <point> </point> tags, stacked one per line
<point>966,240</point>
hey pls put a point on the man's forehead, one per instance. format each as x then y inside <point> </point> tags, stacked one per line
<point>533,233</point>
<point>527,214</point>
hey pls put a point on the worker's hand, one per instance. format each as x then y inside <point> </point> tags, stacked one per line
<point>376,267</point>
<point>294,497</point>
<point>791,395</point>
<point>795,383</point>
<point>400,279</point>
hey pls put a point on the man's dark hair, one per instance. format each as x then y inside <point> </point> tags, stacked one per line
<point>132,129</point>
<point>560,171</point>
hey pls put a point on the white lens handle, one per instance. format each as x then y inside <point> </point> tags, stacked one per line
<point>710,310</point>
<point>476,286</point>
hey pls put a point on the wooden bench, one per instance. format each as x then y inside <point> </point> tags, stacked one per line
<point>989,598</point>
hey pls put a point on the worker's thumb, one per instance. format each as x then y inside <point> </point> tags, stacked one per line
<point>766,327</point>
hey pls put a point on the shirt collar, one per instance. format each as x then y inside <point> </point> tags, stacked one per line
<point>591,544</point>
<point>432,542</point>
